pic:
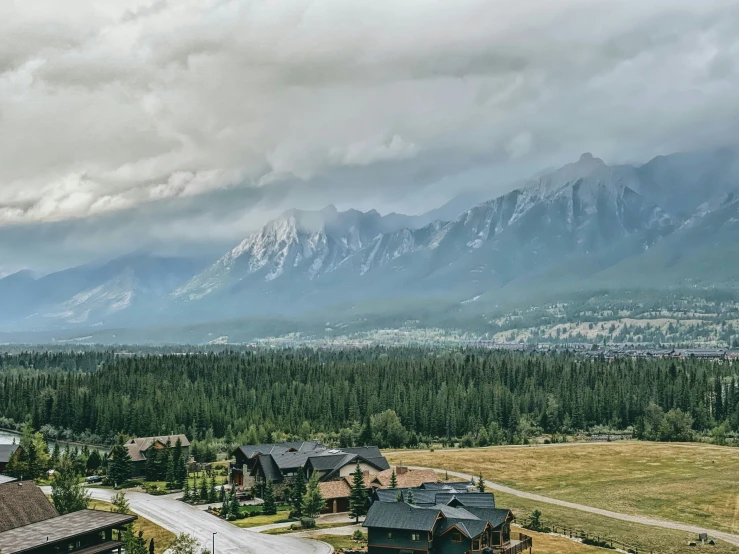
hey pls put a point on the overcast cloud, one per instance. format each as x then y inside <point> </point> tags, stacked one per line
<point>251,106</point>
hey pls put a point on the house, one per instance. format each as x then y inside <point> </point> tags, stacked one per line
<point>336,492</point>
<point>448,528</point>
<point>6,452</point>
<point>29,524</point>
<point>137,449</point>
<point>281,467</point>
<point>246,458</point>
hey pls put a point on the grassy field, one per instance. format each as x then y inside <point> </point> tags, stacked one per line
<point>162,537</point>
<point>287,530</point>
<point>691,483</point>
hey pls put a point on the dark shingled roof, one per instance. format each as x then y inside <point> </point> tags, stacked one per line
<point>23,503</point>
<point>446,486</point>
<point>60,528</point>
<point>398,515</point>
<point>269,467</point>
<point>252,450</point>
<point>6,451</point>
<point>324,463</point>
<point>467,499</point>
<point>371,454</point>
<point>496,516</point>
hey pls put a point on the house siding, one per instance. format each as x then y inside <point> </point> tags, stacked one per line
<point>401,540</point>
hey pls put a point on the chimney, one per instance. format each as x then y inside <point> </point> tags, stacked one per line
<point>401,470</point>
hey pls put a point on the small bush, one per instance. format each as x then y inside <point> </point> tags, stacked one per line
<point>358,535</point>
<point>307,523</point>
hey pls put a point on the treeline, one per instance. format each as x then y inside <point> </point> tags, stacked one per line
<point>391,397</point>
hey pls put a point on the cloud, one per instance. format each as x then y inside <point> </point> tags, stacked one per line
<point>114,105</point>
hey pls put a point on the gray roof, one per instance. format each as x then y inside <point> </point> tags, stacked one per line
<point>6,451</point>
<point>398,515</point>
<point>496,516</point>
<point>467,499</point>
<point>446,486</point>
<point>370,454</point>
<point>324,463</point>
<point>6,479</point>
<point>252,450</point>
<point>60,528</point>
<point>22,503</point>
<point>470,527</point>
<point>137,447</point>
<point>269,467</point>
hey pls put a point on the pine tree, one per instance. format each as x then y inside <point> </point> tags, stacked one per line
<point>120,503</point>
<point>399,497</point>
<point>204,489</point>
<point>393,480</point>
<point>153,465</point>
<point>235,507</point>
<point>480,484</point>
<point>151,546</point>
<point>119,465</point>
<point>213,492</point>
<point>222,494</point>
<point>186,497</point>
<point>358,494</point>
<point>67,493</point>
<point>170,478</point>
<point>313,501</point>
<point>269,508</point>
<point>179,462</point>
<point>94,461</point>
<point>409,497</point>
<point>225,507</point>
<point>195,496</point>
<point>166,468</point>
<point>296,493</point>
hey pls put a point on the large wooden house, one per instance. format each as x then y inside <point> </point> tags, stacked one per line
<point>443,519</point>
<point>29,524</point>
<point>245,458</point>
<point>138,449</point>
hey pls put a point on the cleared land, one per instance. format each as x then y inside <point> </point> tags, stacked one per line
<point>695,484</point>
<point>162,537</point>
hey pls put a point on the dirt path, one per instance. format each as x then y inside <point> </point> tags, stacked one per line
<point>727,537</point>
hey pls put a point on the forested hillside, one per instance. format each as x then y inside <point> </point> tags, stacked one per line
<point>392,397</point>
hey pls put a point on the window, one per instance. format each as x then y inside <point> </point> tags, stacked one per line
<point>415,537</point>
<point>456,536</point>
<point>476,544</point>
<point>390,535</point>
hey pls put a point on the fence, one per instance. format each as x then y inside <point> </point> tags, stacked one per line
<point>599,540</point>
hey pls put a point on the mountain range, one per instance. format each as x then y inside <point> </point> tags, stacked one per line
<point>671,222</point>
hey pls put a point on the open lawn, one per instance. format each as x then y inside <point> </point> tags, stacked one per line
<point>162,537</point>
<point>287,530</point>
<point>690,483</point>
<point>258,521</point>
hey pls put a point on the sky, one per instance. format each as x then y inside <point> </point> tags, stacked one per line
<point>184,125</point>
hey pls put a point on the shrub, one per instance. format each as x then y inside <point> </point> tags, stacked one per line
<point>307,523</point>
<point>358,535</point>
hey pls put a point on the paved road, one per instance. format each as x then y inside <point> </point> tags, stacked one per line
<point>179,517</point>
<point>727,537</point>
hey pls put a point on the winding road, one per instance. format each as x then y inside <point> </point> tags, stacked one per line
<point>726,537</point>
<point>178,517</point>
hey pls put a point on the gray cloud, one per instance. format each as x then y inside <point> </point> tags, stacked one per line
<point>148,107</point>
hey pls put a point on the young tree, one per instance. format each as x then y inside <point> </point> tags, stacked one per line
<point>269,508</point>
<point>119,465</point>
<point>120,503</point>
<point>133,543</point>
<point>399,497</point>
<point>151,546</point>
<point>393,480</point>
<point>184,544</point>
<point>67,493</point>
<point>212,492</point>
<point>358,494</point>
<point>296,493</point>
<point>169,475</point>
<point>203,493</point>
<point>480,484</point>
<point>313,501</point>
<point>179,462</point>
<point>94,461</point>
<point>31,459</point>
<point>409,497</point>
<point>225,507</point>
<point>222,494</point>
<point>235,506</point>
<point>153,465</point>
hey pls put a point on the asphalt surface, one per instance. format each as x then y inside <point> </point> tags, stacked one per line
<point>178,517</point>
<point>726,537</point>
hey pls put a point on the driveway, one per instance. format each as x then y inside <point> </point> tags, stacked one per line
<point>179,517</point>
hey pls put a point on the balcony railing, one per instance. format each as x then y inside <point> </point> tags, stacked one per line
<point>514,546</point>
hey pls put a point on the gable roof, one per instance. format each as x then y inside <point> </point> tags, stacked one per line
<point>370,454</point>
<point>496,516</point>
<point>467,499</point>
<point>253,450</point>
<point>410,479</point>
<point>399,515</point>
<point>269,467</point>
<point>137,447</point>
<point>334,489</point>
<point>60,528</point>
<point>6,451</point>
<point>22,503</point>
